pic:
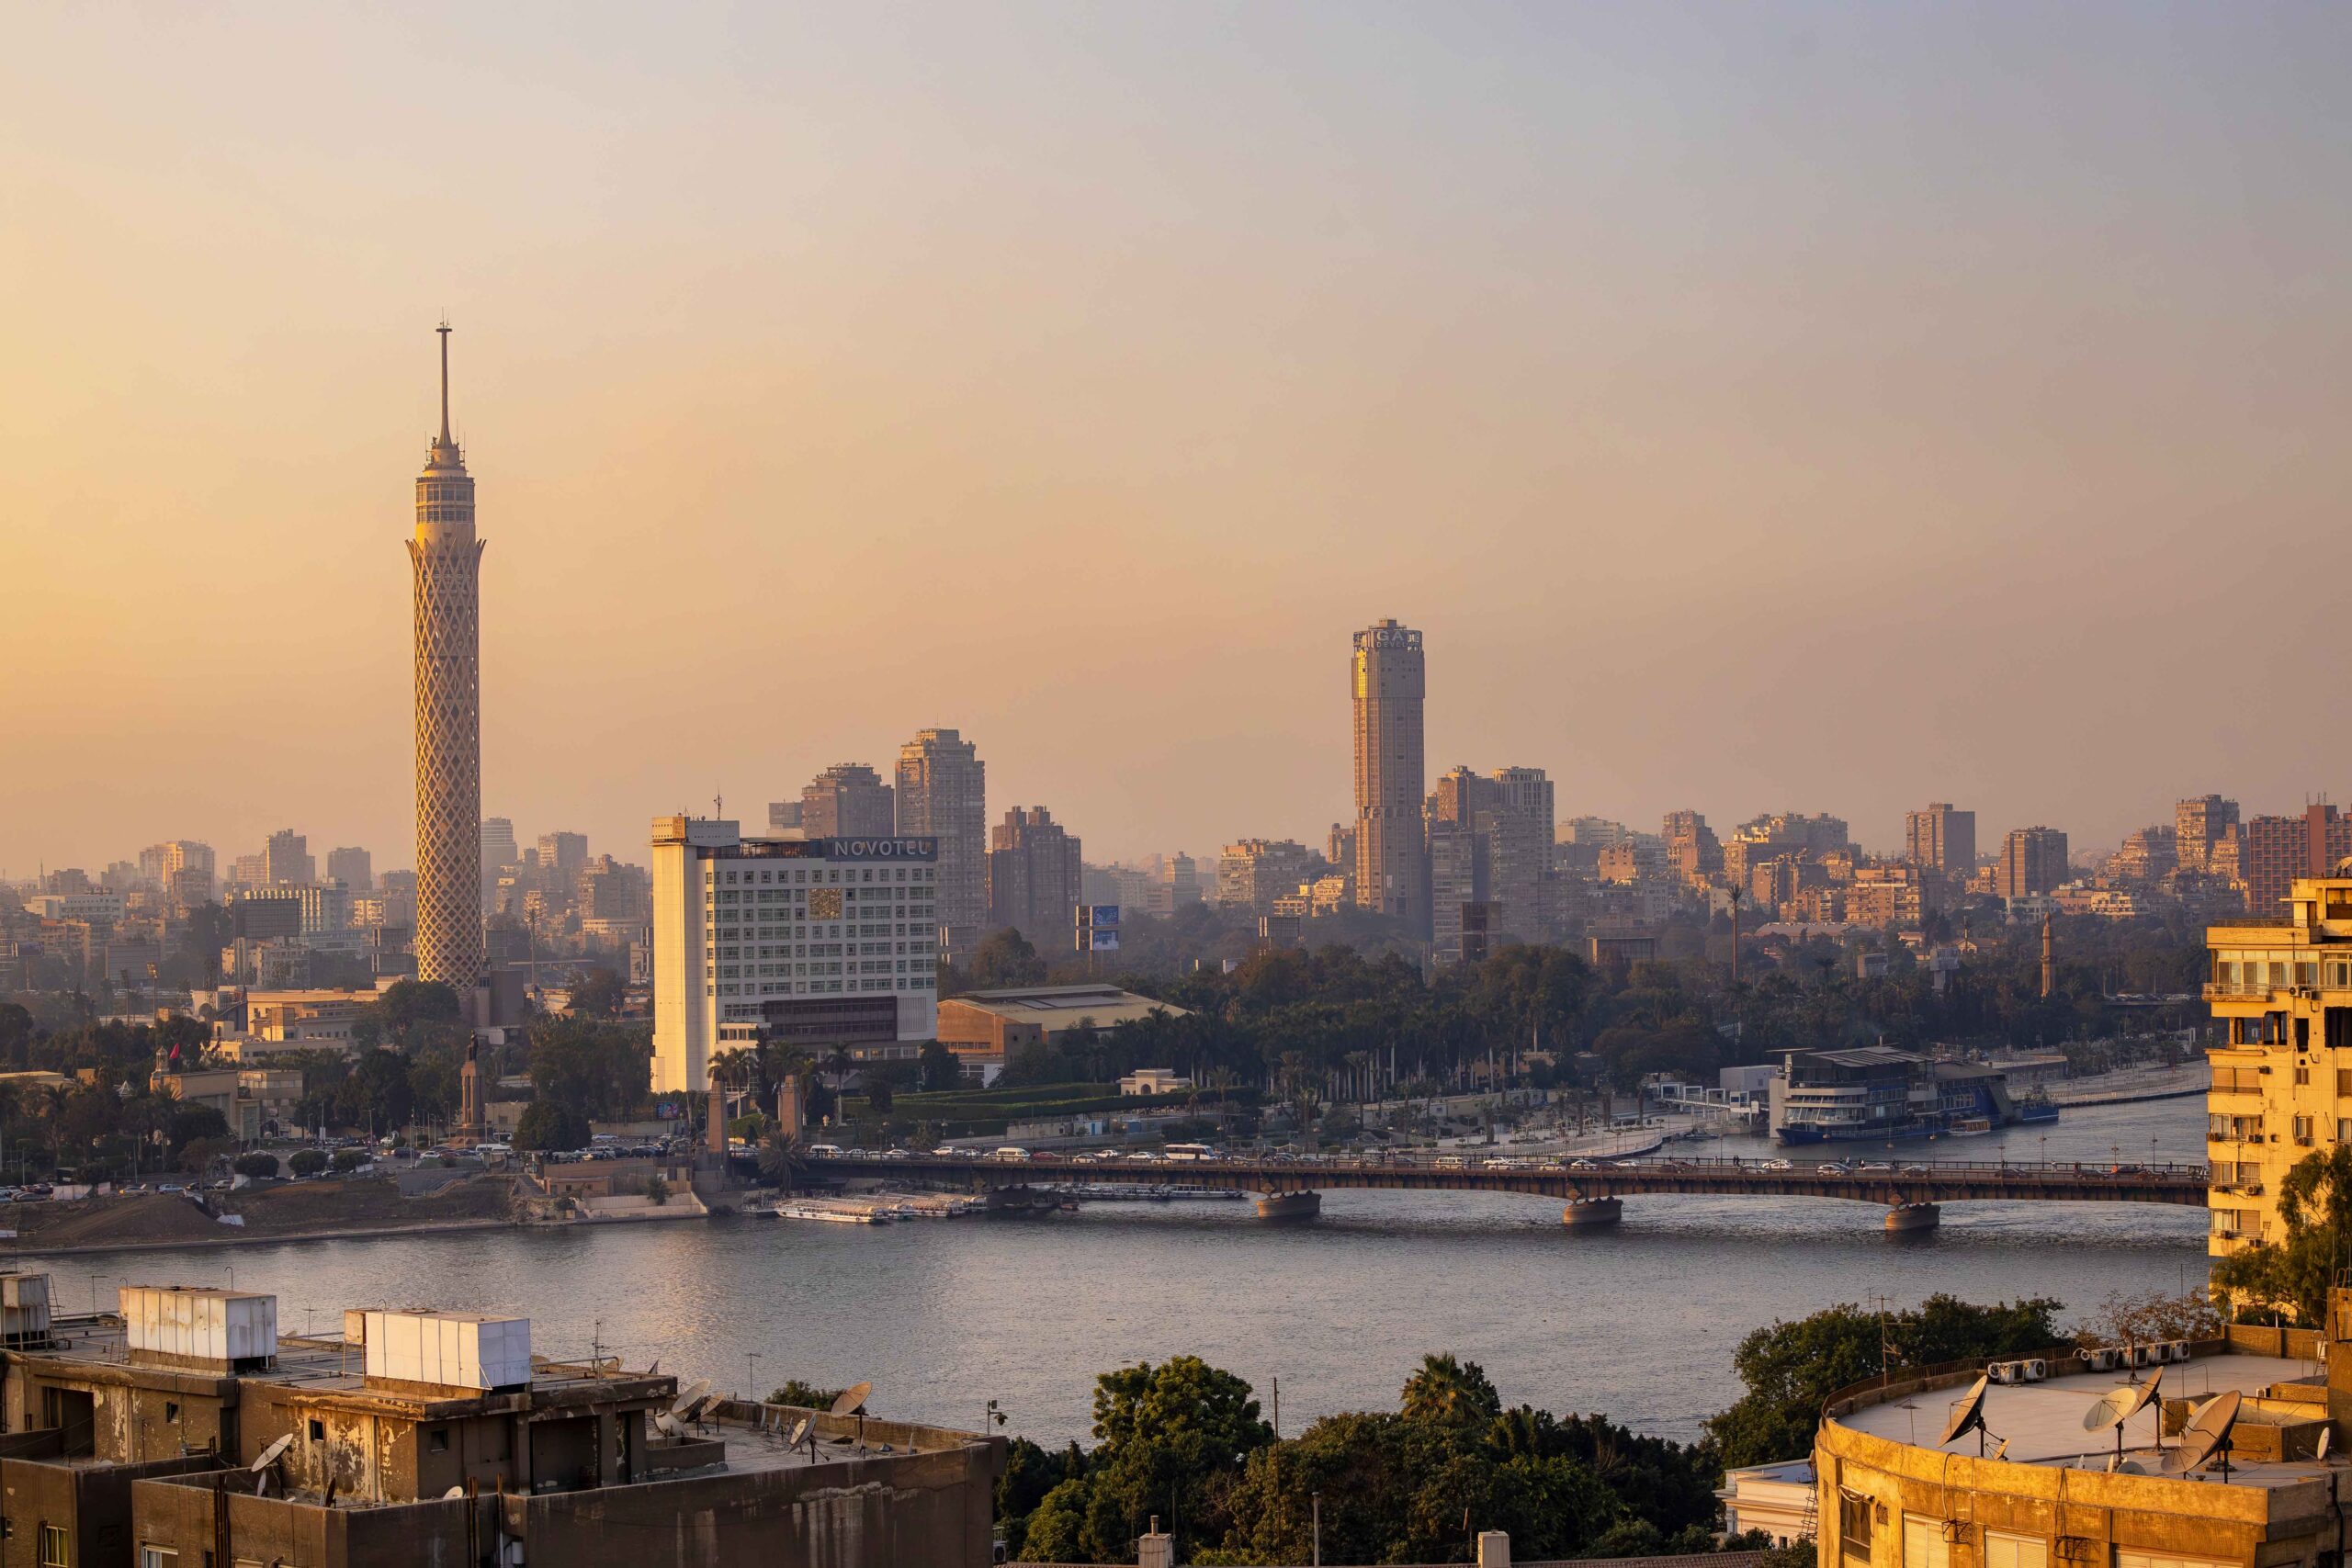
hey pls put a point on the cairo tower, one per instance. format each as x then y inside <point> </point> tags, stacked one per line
<point>447,558</point>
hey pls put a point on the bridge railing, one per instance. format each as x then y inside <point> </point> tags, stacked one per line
<point>1175,1171</point>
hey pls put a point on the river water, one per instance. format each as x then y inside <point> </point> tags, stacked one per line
<point>1640,1322</point>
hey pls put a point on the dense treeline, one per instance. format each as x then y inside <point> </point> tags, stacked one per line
<point>1187,1442</point>
<point>1352,1024</point>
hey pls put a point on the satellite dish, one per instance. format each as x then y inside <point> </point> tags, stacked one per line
<point>269,1455</point>
<point>2147,1392</point>
<point>852,1400</point>
<point>454,1491</point>
<point>1968,1416</point>
<point>691,1393</point>
<point>800,1432</point>
<point>2326,1440</point>
<point>2111,1409</point>
<point>2000,1448</point>
<point>2208,1436</point>
<point>666,1424</point>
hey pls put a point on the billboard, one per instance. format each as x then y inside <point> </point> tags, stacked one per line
<point>1098,914</point>
<point>1104,941</point>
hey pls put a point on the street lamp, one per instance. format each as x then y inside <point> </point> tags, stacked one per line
<point>989,1418</point>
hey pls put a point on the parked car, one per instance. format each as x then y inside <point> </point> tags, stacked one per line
<point>1831,1168</point>
<point>1919,1170</point>
<point>1774,1165</point>
<point>1874,1167</point>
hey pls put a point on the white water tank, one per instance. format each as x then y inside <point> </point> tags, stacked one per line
<point>23,1308</point>
<point>448,1349</point>
<point>214,1327</point>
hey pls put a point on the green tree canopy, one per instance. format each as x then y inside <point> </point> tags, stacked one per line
<point>1790,1369</point>
<point>2292,1277</point>
<point>550,1124</point>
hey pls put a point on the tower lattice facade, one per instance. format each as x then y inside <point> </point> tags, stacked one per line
<point>446,557</point>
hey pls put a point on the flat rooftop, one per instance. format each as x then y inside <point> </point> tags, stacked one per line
<point>2043,1421</point>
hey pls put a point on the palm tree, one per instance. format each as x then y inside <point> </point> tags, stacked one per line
<point>780,1158</point>
<point>1451,1393</point>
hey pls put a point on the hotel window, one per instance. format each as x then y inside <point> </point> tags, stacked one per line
<point>2015,1550</point>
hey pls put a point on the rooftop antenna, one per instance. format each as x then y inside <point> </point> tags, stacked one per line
<point>444,330</point>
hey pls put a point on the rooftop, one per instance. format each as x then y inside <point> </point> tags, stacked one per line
<point>2043,1422</point>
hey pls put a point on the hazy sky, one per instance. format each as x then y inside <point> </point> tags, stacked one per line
<point>1759,407</point>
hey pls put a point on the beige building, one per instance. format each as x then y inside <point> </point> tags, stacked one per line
<point>2198,826</point>
<point>2046,1492</point>
<point>985,1029</point>
<point>2033,860</point>
<point>1390,680</point>
<point>2282,991</point>
<point>943,793</point>
<point>1252,873</point>
<point>1942,838</point>
<point>848,800</point>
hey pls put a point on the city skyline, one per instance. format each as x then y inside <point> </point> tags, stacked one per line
<point>1717,479</point>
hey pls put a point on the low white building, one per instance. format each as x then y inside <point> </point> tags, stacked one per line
<point>812,941</point>
<point>1154,1080</point>
<point>1778,1499</point>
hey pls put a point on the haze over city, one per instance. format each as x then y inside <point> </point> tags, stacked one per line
<point>1757,407</point>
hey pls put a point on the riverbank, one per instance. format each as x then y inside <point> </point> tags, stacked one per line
<point>307,1210</point>
<point>2133,1085</point>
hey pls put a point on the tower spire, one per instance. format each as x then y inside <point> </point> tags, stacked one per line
<point>444,330</point>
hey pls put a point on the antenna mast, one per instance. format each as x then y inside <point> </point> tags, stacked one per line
<point>444,330</point>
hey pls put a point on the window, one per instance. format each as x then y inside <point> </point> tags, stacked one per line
<point>438,1440</point>
<point>52,1547</point>
<point>2015,1550</point>
<point>2302,1074</point>
<point>2154,1560</point>
<point>1924,1545</point>
<point>171,1410</point>
<point>158,1557</point>
<point>1854,1523</point>
<point>318,1431</point>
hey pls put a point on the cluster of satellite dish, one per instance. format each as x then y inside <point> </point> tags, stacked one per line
<point>2204,1441</point>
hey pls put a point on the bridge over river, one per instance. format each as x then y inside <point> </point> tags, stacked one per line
<point>1592,1193</point>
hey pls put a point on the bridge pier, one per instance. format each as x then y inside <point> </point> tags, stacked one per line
<point>1592,1213</point>
<point>1289,1205</point>
<point>1905,1217</point>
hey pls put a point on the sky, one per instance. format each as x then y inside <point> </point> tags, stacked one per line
<point>1759,407</point>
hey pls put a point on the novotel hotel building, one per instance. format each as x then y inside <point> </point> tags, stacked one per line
<point>819,942</point>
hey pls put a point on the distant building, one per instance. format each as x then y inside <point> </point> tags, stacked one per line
<point>2199,824</point>
<point>987,1028</point>
<point>783,816</point>
<point>355,868</point>
<point>2033,860</point>
<point>848,800</point>
<point>1942,838</point>
<point>943,794</point>
<point>1390,681</point>
<point>287,858</point>
<point>563,855</point>
<point>1253,872</point>
<point>1693,853</point>
<point>168,864</point>
<point>1033,876</point>
<point>2147,855</point>
<point>2275,850</point>
<point>1780,834</point>
<point>813,941</point>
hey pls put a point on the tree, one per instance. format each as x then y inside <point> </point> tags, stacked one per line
<point>188,1123</point>
<point>1166,1433</point>
<point>348,1160</point>
<point>1451,1393</point>
<point>549,1125</point>
<point>2292,1275</point>
<point>1790,1369</point>
<point>941,1071</point>
<point>1005,958</point>
<point>598,992</point>
<point>377,1094</point>
<point>406,1004</point>
<point>308,1162</point>
<point>195,1156</point>
<point>258,1166</point>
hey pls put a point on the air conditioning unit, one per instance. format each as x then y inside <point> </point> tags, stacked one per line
<point>2176,1350</point>
<point>2035,1370</point>
<point>2103,1358</point>
<point>2144,1355</point>
<point>2008,1372</point>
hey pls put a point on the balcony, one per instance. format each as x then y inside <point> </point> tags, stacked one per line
<point>2236,991</point>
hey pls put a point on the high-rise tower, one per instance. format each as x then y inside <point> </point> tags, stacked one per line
<point>1392,861</point>
<point>447,561</point>
<point>942,792</point>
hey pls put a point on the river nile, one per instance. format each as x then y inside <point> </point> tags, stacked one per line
<point>1640,1323</point>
